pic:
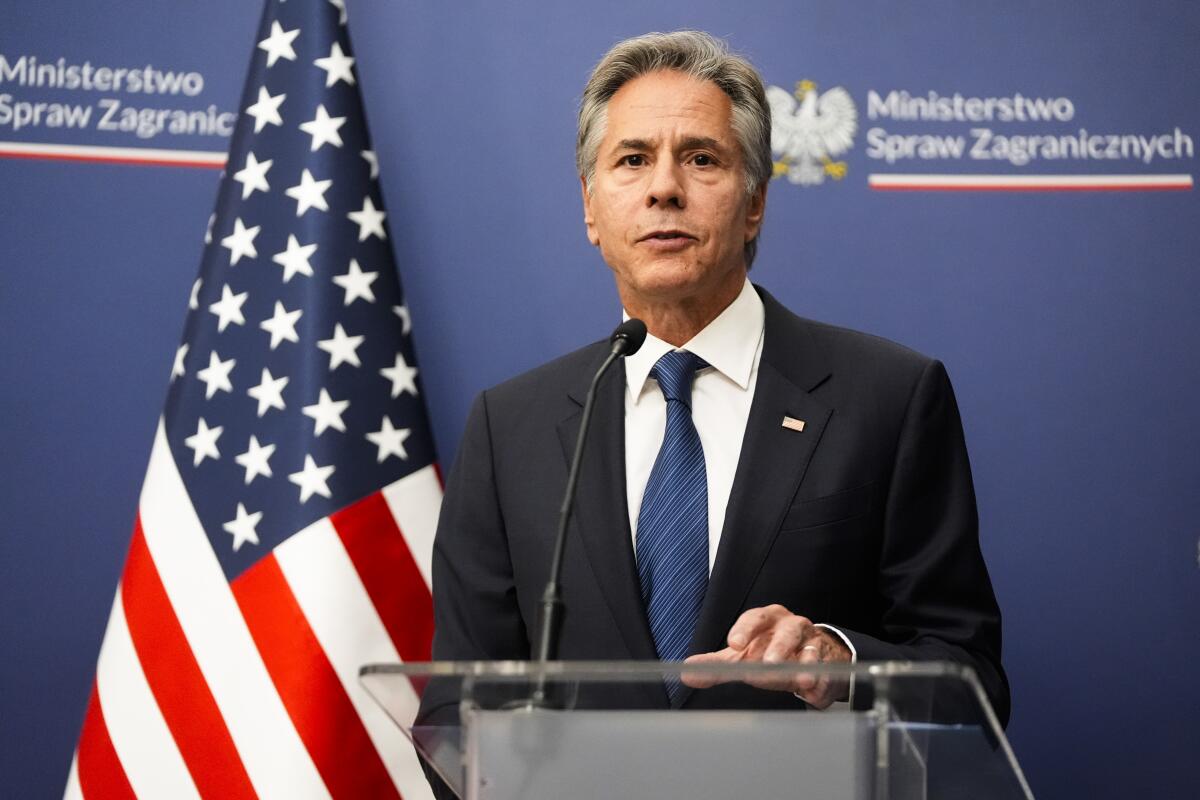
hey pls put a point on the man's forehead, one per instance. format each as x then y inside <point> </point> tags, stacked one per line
<point>669,102</point>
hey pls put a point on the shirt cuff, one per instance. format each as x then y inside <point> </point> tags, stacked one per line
<point>849,701</point>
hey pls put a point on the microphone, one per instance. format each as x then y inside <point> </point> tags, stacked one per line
<point>626,340</point>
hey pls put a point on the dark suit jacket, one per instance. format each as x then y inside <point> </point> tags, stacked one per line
<point>864,520</point>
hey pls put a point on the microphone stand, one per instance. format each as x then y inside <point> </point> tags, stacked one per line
<point>627,339</point>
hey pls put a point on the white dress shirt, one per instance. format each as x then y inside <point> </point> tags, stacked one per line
<point>721,397</point>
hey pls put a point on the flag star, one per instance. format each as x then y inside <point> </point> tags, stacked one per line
<point>282,325</point>
<point>253,175</point>
<point>266,110</point>
<point>340,5</point>
<point>323,129</point>
<point>295,258</point>
<point>216,375</point>
<point>194,300</point>
<point>327,413</point>
<point>241,241</point>
<point>369,220</point>
<point>279,45</point>
<point>204,442</point>
<point>309,193</point>
<point>229,308</point>
<point>356,283</point>
<point>208,228</point>
<point>372,160</point>
<point>177,370</point>
<point>341,348</point>
<point>269,392</point>
<point>389,440</point>
<point>402,376</point>
<point>256,460</point>
<point>312,479</point>
<point>405,319</point>
<point>242,527</point>
<point>337,66</point>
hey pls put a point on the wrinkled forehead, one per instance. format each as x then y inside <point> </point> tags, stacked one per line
<point>669,104</point>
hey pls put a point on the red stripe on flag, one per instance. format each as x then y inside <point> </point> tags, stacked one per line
<point>100,770</point>
<point>179,688</point>
<point>310,689</point>
<point>389,574</point>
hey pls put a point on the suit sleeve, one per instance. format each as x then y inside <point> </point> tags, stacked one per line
<point>474,596</point>
<point>937,599</point>
<point>475,611</point>
<point>476,617</point>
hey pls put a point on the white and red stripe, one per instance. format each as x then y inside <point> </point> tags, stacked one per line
<point>141,156</point>
<point>898,182</point>
<point>250,688</point>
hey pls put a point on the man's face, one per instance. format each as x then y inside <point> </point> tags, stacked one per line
<point>668,206</point>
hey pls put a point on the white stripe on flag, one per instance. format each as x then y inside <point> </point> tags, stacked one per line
<point>342,617</point>
<point>274,756</point>
<point>139,734</point>
<point>415,501</point>
<point>73,790</point>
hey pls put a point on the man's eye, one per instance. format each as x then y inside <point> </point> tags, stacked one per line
<point>702,160</point>
<point>634,160</point>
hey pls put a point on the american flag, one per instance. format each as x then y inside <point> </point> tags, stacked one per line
<point>285,526</point>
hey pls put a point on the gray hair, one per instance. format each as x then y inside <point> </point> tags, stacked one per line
<point>693,53</point>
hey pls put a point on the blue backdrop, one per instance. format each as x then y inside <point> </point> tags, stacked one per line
<point>1067,319</point>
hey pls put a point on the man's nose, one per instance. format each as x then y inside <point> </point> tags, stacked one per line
<point>666,185</point>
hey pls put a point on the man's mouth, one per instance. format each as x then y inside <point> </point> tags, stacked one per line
<point>667,236</point>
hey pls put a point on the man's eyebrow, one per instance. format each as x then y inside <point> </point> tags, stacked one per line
<point>633,144</point>
<point>700,142</point>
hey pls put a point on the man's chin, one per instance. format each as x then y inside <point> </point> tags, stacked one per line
<point>667,281</point>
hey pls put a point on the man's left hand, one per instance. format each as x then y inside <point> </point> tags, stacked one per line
<point>774,635</point>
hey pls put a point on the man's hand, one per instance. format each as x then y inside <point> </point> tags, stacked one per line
<point>774,635</point>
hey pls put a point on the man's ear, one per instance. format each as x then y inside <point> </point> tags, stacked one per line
<point>589,219</point>
<point>756,208</point>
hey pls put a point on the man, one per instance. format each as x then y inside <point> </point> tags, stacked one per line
<point>757,487</point>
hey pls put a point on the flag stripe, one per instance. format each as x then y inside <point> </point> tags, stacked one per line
<point>97,766</point>
<point>276,760</point>
<point>136,727</point>
<point>184,698</point>
<point>73,790</point>
<point>415,501</point>
<point>315,700</point>
<point>389,574</point>
<point>344,620</point>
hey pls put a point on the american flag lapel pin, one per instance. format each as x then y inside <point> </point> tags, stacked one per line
<point>791,423</point>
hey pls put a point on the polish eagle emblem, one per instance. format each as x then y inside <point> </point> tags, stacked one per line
<point>809,130</point>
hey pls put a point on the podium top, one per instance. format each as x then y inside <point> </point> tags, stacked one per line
<point>635,671</point>
<point>934,717</point>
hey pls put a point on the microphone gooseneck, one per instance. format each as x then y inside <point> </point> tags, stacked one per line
<point>626,340</point>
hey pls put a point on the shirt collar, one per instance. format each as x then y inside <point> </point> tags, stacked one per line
<point>728,343</point>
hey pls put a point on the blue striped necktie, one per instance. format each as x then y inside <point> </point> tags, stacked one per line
<point>672,533</point>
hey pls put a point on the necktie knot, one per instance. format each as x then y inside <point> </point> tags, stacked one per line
<point>674,373</point>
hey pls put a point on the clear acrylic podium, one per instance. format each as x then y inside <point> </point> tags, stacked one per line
<point>913,731</point>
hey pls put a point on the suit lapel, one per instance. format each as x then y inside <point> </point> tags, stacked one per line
<point>771,466</point>
<point>601,518</point>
